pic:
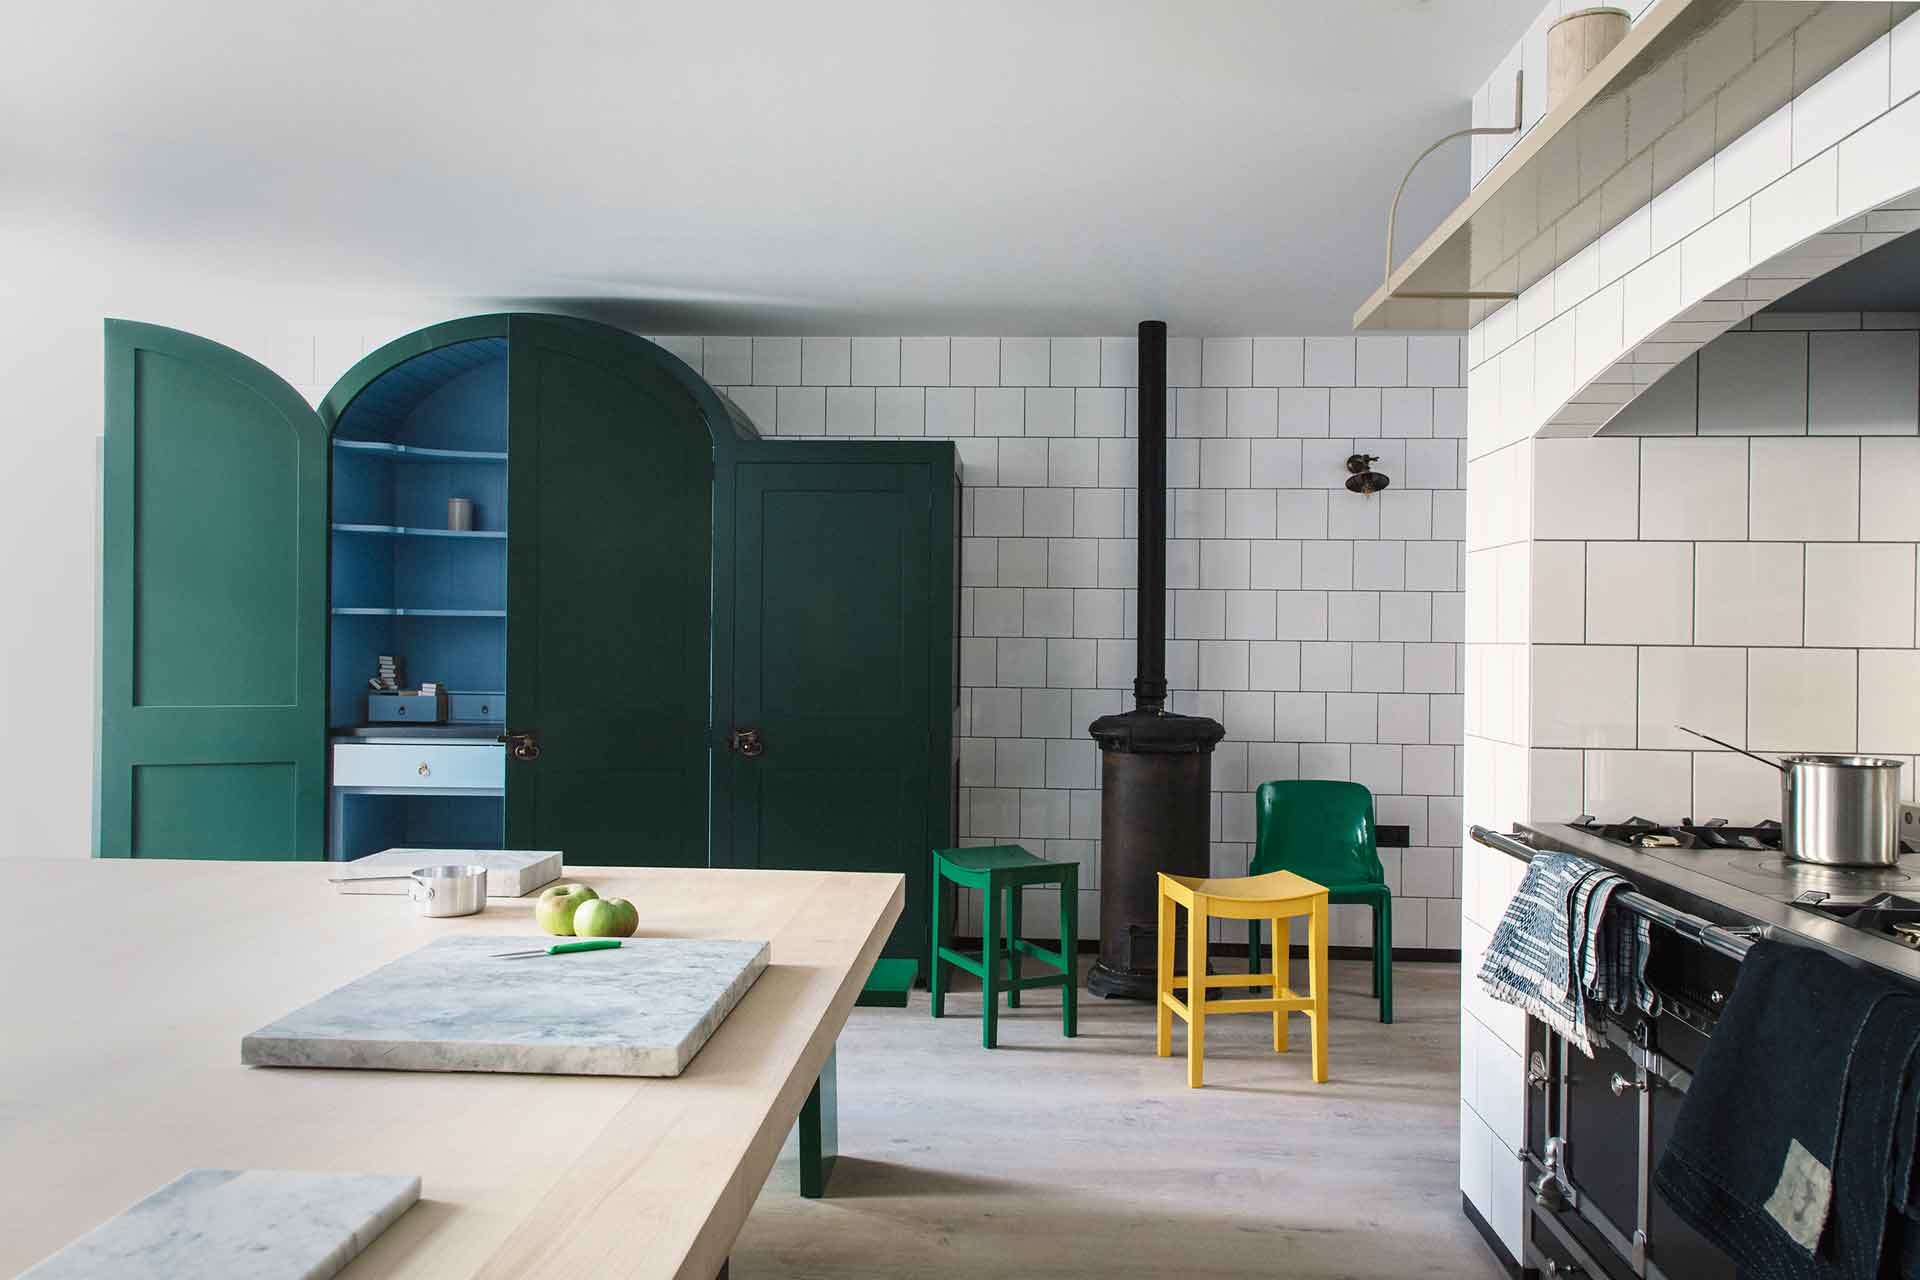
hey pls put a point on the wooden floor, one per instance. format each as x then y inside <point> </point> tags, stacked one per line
<point>1091,1158</point>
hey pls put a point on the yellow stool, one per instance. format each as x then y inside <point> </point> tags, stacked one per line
<point>1277,896</point>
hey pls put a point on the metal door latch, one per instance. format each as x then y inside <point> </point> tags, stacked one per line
<point>747,742</point>
<point>1547,1190</point>
<point>521,746</point>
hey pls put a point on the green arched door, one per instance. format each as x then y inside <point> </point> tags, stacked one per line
<point>610,484</point>
<point>213,605</point>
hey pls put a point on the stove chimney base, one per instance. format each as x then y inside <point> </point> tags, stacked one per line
<point>1120,984</point>
<point>1156,778</point>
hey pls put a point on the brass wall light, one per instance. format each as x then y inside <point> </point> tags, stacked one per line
<point>1363,478</point>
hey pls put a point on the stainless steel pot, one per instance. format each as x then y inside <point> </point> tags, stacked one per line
<point>1836,811</point>
<point>1841,811</point>
<point>452,890</point>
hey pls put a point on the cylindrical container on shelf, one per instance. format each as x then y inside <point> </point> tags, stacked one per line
<point>1577,43</point>
<point>460,514</point>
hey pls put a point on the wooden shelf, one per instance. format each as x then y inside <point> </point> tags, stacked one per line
<point>412,453</point>
<point>419,613</point>
<point>407,531</point>
<point>1542,203</point>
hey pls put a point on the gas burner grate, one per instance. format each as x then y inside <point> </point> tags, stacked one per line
<point>1643,833</point>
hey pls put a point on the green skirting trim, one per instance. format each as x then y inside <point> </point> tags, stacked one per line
<point>889,983</point>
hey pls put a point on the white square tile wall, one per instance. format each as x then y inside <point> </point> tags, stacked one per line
<point>1792,619</point>
<point>1323,628</point>
<point>1766,592</point>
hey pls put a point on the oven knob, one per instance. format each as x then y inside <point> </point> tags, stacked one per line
<point>1621,1086</point>
<point>1564,1268</point>
<point>1716,999</point>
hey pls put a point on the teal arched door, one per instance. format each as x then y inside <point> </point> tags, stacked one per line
<point>213,605</point>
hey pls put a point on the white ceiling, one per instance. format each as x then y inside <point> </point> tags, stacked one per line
<point>844,166</point>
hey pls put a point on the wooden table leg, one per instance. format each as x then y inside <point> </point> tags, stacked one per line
<point>820,1130</point>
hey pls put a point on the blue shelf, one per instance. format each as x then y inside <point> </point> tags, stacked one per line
<point>430,429</point>
<point>413,453</point>
<point>408,531</point>
<point>420,613</point>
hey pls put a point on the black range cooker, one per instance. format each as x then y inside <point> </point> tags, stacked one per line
<point>1596,1127</point>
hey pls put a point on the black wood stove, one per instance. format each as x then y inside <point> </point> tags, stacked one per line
<point>1156,768</point>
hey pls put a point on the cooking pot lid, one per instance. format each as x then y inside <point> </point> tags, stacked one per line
<point>1846,762</point>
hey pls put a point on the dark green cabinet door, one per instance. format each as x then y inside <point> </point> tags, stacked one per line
<point>213,608</point>
<point>839,644</point>
<point>609,509</point>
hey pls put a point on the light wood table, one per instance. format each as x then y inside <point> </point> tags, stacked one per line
<point>127,986</point>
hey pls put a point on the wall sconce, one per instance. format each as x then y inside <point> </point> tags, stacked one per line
<point>1364,479</point>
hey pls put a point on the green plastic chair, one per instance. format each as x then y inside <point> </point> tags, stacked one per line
<point>1323,830</point>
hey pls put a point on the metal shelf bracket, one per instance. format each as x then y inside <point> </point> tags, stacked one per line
<point>1393,210</point>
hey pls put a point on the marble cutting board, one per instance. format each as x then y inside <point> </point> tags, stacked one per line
<point>239,1224</point>
<point>511,873</point>
<point>644,1009</point>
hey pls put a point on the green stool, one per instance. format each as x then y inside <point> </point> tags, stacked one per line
<point>1000,873</point>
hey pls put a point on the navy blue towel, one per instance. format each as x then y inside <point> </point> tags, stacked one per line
<point>1795,1145</point>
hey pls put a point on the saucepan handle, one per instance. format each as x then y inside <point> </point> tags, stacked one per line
<point>420,892</point>
<point>1729,746</point>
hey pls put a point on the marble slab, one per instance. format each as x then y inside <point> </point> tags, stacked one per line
<point>511,873</point>
<point>644,1009</point>
<point>239,1224</point>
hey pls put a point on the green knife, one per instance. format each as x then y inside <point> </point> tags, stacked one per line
<point>560,949</point>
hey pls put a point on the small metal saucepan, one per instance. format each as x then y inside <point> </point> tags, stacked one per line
<point>452,890</point>
<point>1837,811</point>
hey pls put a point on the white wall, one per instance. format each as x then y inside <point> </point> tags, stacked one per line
<point>1320,626</point>
<point>54,297</point>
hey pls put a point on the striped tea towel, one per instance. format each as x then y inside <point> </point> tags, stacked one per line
<point>1556,945</point>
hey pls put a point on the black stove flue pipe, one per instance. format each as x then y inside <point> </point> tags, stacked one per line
<point>1156,768</point>
<point>1150,647</point>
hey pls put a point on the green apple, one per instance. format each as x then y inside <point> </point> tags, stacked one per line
<point>606,918</point>
<point>553,910</point>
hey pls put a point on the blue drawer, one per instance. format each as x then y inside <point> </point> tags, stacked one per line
<point>456,767</point>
